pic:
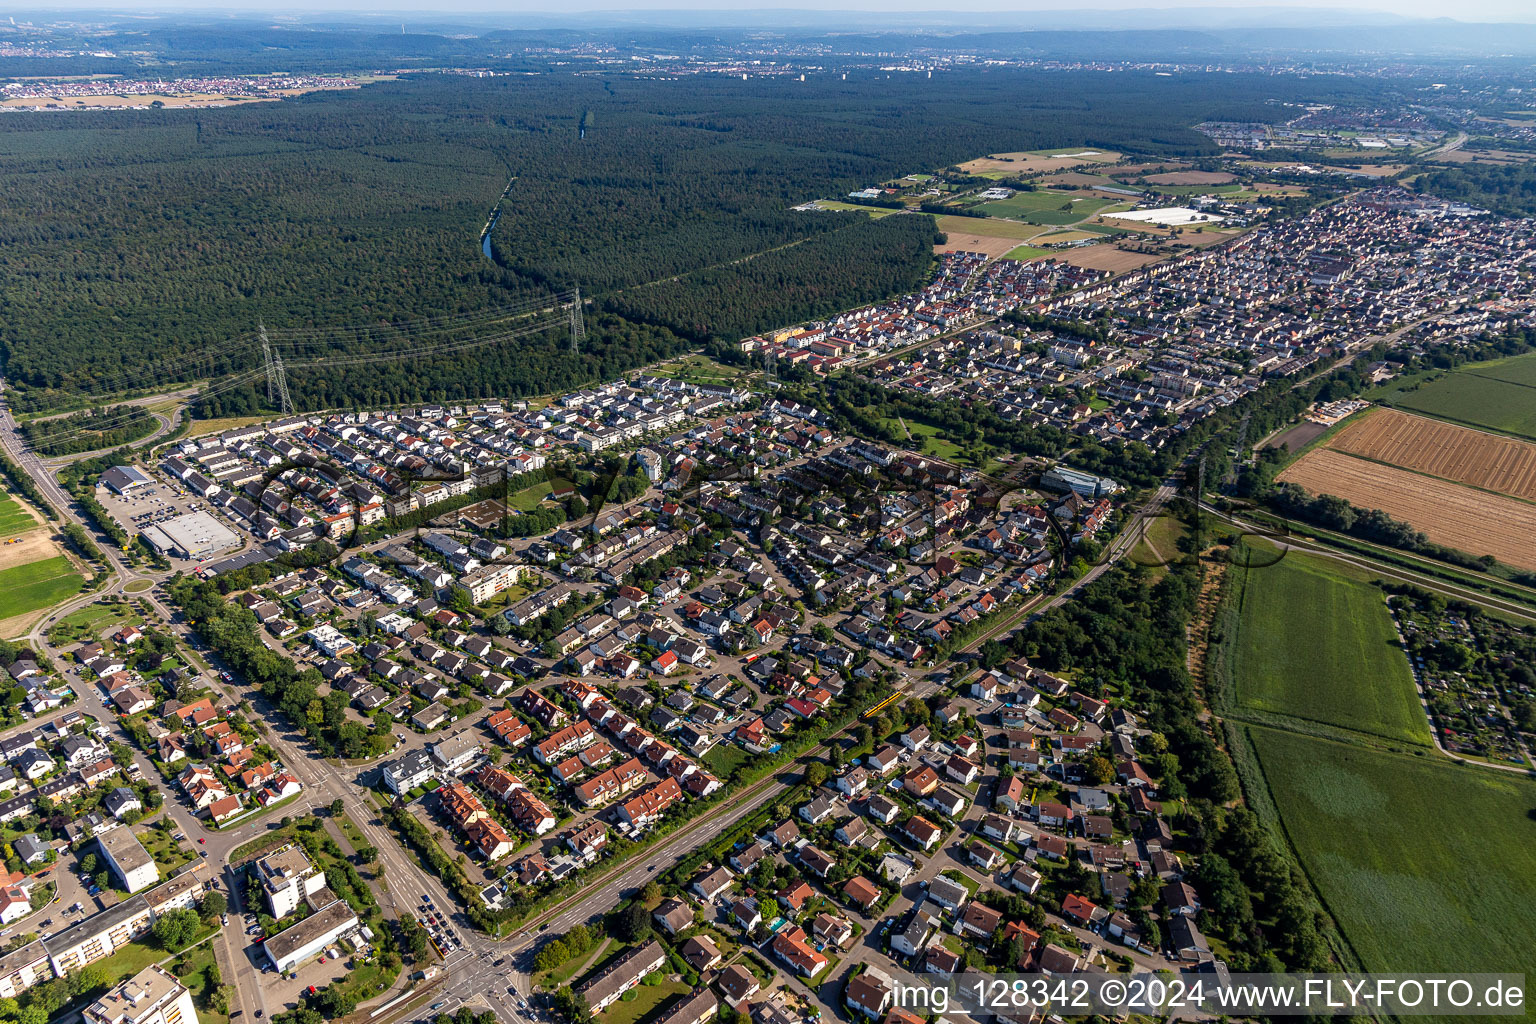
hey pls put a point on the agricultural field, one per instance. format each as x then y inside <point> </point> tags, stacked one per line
<point>1459,517</point>
<point>1045,208</point>
<point>1490,461</point>
<point>1191,178</point>
<point>974,234</point>
<point>1025,252</point>
<point>13,518</point>
<point>1419,860</point>
<point>1499,395</point>
<point>1349,670</point>
<point>1108,257</point>
<point>1042,162</point>
<point>36,585</point>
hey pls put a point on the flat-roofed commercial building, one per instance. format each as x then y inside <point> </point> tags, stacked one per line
<point>194,535</point>
<point>293,946</point>
<point>150,997</point>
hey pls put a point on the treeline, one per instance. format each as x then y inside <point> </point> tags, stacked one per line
<point>1508,189</point>
<point>863,261</point>
<point>1369,524</point>
<point>89,430</point>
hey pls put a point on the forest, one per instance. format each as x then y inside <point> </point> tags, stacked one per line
<point>139,249</point>
<point>89,430</point>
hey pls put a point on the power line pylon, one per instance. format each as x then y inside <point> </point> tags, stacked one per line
<point>578,323</point>
<point>282,383</point>
<point>266,361</point>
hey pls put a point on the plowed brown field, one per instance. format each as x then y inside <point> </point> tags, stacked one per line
<point>1459,517</point>
<point>1467,456</point>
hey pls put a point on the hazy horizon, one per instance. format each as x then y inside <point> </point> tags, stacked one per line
<point>854,13</point>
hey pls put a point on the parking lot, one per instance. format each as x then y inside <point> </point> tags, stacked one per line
<point>157,503</point>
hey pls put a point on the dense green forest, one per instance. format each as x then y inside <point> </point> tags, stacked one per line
<point>139,249</point>
<point>862,261</point>
<point>89,430</point>
<point>1508,189</point>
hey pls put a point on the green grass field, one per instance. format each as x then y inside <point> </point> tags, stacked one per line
<point>1516,369</point>
<point>1314,644</point>
<point>527,499</point>
<point>35,585</point>
<point>13,518</point>
<point>874,211</point>
<point>1025,252</point>
<point>723,759</point>
<point>1421,862</point>
<point>989,226</point>
<point>1498,395</point>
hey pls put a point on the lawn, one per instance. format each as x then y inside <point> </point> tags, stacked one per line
<point>1499,395</point>
<point>1313,644</point>
<point>168,854</point>
<point>723,759</point>
<point>1420,861</point>
<point>647,999</point>
<point>94,619</point>
<point>40,584</point>
<point>1159,543</point>
<point>193,968</point>
<point>527,499</point>
<point>1025,252</point>
<point>700,370</point>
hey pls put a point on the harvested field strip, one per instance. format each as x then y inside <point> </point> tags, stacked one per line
<point>1448,513</point>
<point>1489,461</point>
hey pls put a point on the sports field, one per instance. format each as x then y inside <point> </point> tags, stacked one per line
<point>1316,645</point>
<point>1499,395</point>
<point>1425,865</point>
<point>26,588</point>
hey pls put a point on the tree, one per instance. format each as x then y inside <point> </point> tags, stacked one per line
<point>212,905</point>
<point>174,929</point>
<point>816,773</point>
<point>632,922</point>
<point>338,806</point>
<point>651,894</point>
<point>1098,770</point>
